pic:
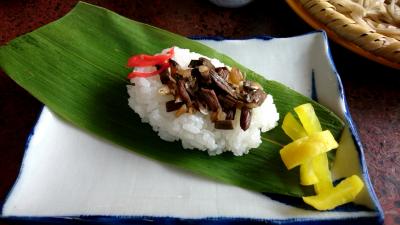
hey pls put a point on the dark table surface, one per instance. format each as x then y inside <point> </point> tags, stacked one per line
<point>373,91</point>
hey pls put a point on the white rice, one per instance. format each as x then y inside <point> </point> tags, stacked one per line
<point>196,131</point>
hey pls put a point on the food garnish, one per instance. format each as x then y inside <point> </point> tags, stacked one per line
<point>149,60</point>
<point>308,150</point>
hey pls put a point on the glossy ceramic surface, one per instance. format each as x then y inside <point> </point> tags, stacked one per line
<point>75,176</point>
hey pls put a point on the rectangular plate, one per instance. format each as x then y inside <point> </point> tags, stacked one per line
<point>62,181</point>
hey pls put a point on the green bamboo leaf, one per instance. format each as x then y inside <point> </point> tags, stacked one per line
<point>75,66</point>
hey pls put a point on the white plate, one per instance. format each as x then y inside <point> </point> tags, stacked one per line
<point>69,175</point>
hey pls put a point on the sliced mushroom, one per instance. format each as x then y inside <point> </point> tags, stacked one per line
<point>245,118</point>
<point>173,105</point>
<point>203,77</point>
<point>230,113</point>
<point>192,87</point>
<point>172,87</point>
<point>173,66</point>
<point>252,85</point>
<point>227,101</point>
<point>196,89</point>
<point>207,63</point>
<point>255,98</point>
<point>195,63</point>
<point>201,61</point>
<point>165,76</point>
<point>210,99</point>
<point>222,72</point>
<point>183,93</point>
<point>224,124</point>
<point>222,84</point>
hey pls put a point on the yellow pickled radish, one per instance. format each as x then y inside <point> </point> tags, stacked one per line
<point>345,192</point>
<point>307,174</point>
<point>308,118</point>
<point>292,128</point>
<point>320,165</point>
<point>306,148</point>
<point>310,153</point>
<point>295,130</point>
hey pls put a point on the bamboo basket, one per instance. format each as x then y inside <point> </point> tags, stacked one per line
<point>370,28</point>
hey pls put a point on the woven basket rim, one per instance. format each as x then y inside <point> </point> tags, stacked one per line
<point>320,14</point>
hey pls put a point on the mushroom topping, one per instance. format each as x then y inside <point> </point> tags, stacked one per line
<point>209,97</point>
<point>217,92</point>
<point>230,113</point>
<point>227,101</point>
<point>224,124</point>
<point>201,61</point>
<point>165,76</point>
<point>222,72</point>
<point>251,85</point>
<point>192,87</point>
<point>255,98</point>
<point>183,93</point>
<point>173,105</point>
<point>203,74</point>
<point>245,118</point>
<point>223,84</point>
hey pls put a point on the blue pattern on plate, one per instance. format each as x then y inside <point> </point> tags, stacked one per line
<point>314,95</point>
<point>28,140</point>
<point>143,220</point>
<point>354,132</point>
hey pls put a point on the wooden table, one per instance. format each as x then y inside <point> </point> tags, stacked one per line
<point>372,90</point>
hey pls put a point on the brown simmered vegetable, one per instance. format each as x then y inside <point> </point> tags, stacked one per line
<point>173,66</point>
<point>251,85</point>
<point>245,118</point>
<point>203,77</point>
<point>255,98</point>
<point>183,93</point>
<point>165,77</point>
<point>227,101</point>
<point>172,105</point>
<point>222,72</point>
<point>224,124</point>
<point>210,99</point>
<point>230,113</point>
<point>195,63</point>
<point>222,84</point>
<point>217,92</point>
<point>192,87</point>
<point>201,61</point>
